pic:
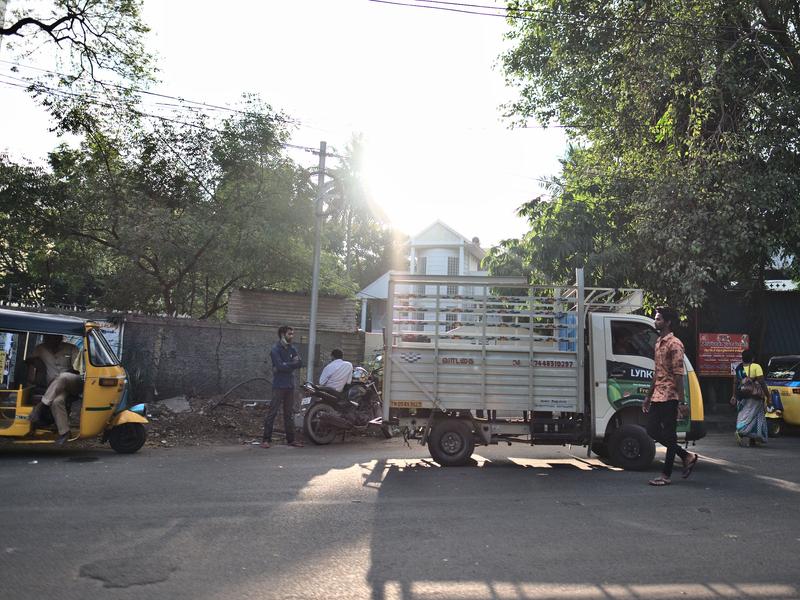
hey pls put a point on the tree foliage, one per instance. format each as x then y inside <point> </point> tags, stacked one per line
<point>96,55</point>
<point>176,215</point>
<point>356,229</point>
<point>173,216</point>
<point>684,117</point>
<point>89,37</point>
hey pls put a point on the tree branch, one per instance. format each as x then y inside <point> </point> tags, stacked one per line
<point>14,29</point>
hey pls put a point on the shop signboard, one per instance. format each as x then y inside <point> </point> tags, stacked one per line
<point>719,353</point>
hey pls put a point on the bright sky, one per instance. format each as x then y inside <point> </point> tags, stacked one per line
<point>420,85</point>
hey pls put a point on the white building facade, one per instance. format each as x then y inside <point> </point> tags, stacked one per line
<point>436,250</point>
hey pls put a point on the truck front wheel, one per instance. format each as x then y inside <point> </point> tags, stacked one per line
<point>631,448</point>
<point>451,442</point>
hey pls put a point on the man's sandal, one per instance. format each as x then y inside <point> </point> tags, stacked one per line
<point>689,466</point>
<point>659,482</point>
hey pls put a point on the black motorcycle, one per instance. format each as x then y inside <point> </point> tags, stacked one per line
<point>356,408</point>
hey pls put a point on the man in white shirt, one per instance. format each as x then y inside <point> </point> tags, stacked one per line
<point>337,373</point>
<point>60,360</point>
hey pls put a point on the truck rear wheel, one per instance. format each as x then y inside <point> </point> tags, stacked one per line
<point>631,448</point>
<point>451,442</point>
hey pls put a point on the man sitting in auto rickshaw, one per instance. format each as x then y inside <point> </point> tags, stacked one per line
<point>62,362</point>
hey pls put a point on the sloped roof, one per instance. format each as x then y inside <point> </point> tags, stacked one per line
<point>455,239</point>
<point>377,290</point>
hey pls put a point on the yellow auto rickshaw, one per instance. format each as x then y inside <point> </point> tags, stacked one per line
<point>101,407</point>
<point>783,381</point>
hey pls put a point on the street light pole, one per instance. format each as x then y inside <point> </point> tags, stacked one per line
<point>318,215</point>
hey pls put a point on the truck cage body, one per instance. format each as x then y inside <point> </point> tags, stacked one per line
<point>491,345</point>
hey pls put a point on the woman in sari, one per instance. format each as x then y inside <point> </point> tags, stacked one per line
<point>751,422</point>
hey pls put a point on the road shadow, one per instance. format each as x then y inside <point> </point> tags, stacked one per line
<point>570,528</point>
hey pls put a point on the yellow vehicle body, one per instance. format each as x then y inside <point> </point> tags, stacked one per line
<point>104,390</point>
<point>783,379</point>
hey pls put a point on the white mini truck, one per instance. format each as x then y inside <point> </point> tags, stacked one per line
<point>484,360</point>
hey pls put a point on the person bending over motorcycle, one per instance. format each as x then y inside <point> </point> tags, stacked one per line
<point>338,373</point>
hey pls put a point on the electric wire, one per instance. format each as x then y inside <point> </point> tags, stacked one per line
<point>597,16</point>
<point>41,88</point>
<point>568,19</point>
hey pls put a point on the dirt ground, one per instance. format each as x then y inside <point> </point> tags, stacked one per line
<point>202,422</point>
<point>209,421</point>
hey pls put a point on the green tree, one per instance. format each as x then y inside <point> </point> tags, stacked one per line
<point>36,266</point>
<point>179,213</point>
<point>357,230</point>
<point>96,49</point>
<point>685,177</point>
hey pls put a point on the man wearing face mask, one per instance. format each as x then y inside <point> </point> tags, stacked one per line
<point>285,361</point>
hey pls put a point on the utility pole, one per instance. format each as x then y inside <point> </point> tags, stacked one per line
<point>318,214</point>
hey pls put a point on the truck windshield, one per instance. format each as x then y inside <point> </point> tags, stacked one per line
<point>629,338</point>
<point>100,354</point>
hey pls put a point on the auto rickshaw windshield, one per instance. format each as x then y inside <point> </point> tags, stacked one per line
<point>784,369</point>
<point>100,353</point>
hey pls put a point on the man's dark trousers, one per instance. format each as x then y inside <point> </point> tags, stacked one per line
<point>662,423</point>
<point>283,397</point>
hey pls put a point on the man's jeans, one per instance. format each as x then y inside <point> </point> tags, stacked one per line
<point>662,424</point>
<point>280,398</point>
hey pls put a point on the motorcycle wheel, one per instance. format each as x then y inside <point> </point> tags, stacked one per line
<point>773,427</point>
<point>314,430</point>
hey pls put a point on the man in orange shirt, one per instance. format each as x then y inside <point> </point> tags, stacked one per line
<point>665,399</point>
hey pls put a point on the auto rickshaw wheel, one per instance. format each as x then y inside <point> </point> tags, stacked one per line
<point>127,438</point>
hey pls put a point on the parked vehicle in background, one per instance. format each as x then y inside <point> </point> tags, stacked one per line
<point>783,380</point>
<point>484,360</point>
<point>357,408</point>
<point>105,404</point>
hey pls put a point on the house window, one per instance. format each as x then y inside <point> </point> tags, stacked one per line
<point>422,269</point>
<point>452,269</point>
<point>451,321</point>
<point>419,317</point>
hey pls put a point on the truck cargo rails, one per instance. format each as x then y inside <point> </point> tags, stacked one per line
<point>483,360</point>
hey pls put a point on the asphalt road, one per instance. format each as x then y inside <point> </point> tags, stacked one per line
<point>375,519</point>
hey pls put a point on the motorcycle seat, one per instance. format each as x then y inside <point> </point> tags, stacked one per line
<point>329,390</point>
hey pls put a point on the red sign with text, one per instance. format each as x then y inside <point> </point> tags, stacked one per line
<point>719,353</point>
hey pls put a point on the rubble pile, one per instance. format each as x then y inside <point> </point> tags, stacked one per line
<point>185,421</point>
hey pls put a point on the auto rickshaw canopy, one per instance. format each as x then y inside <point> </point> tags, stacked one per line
<point>17,320</point>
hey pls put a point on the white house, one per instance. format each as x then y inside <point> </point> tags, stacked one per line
<point>436,250</point>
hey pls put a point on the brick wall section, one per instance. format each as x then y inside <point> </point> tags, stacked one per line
<point>169,357</point>
<point>263,307</point>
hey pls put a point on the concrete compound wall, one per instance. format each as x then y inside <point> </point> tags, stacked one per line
<point>170,357</point>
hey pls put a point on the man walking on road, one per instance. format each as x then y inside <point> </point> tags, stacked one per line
<point>285,360</point>
<point>665,399</point>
